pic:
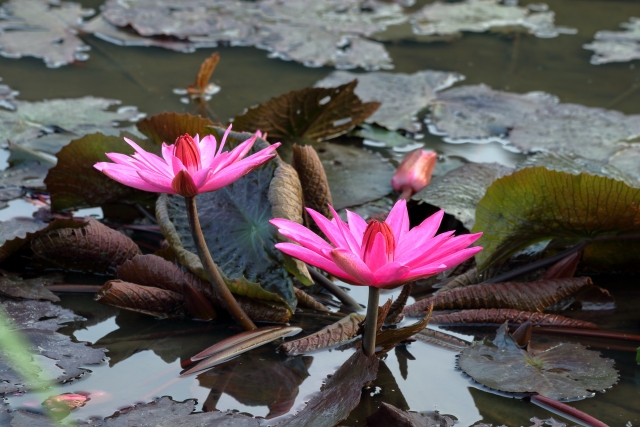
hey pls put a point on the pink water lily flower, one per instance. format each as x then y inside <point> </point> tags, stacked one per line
<point>190,166</point>
<point>380,254</point>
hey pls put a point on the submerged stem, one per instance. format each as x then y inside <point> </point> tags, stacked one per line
<point>371,322</point>
<point>211,268</point>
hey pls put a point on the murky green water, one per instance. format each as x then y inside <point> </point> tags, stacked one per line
<point>145,354</point>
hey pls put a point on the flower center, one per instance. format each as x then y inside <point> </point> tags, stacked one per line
<point>373,229</point>
<point>188,152</point>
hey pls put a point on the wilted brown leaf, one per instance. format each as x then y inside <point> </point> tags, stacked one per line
<point>533,296</point>
<point>204,74</point>
<point>313,178</point>
<point>306,300</point>
<point>388,415</point>
<point>389,338</point>
<point>313,113</point>
<point>198,306</point>
<point>432,336</point>
<point>167,127</point>
<point>465,279</point>
<point>93,248</point>
<point>499,316</point>
<point>143,299</point>
<point>564,268</point>
<point>339,332</point>
<point>17,241</point>
<point>16,287</point>
<point>398,304</point>
<point>151,270</point>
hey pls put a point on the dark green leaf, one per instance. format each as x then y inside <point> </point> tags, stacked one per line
<point>536,204</point>
<point>562,371</point>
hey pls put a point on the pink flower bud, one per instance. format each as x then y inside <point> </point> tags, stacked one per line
<point>188,152</point>
<point>414,172</point>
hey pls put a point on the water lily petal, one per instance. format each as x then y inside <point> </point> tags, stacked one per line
<point>329,229</point>
<point>296,232</point>
<point>391,273</point>
<point>207,146</point>
<point>157,180</point>
<point>376,256</point>
<point>398,220</point>
<point>311,257</point>
<point>357,225</point>
<point>353,266</point>
<point>346,232</point>
<point>417,236</point>
<point>125,175</point>
<point>415,258</point>
<point>451,246</point>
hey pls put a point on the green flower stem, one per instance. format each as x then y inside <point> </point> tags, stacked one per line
<point>371,322</point>
<point>211,268</point>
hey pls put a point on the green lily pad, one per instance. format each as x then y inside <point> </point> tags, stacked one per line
<point>563,371</point>
<point>536,204</point>
<point>459,191</point>
<point>75,183</point>
<point>235,223</point>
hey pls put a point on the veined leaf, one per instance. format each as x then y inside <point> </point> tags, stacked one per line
<point>167,127</point>
<point>517,317</point>
<point>337,333</point>
<point>24,235</point>
<point>143,299</point>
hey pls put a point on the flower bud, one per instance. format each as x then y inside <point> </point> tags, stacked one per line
<point>373,228</point>
<point>183,184</point>
<point>414,172</point>
<point>188,152</point>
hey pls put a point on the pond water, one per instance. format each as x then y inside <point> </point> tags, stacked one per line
<point>145,354</point>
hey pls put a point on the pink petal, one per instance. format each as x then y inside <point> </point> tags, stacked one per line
<point>390,273</point>
<point>310,257</point>
<point>452,245</point>
<point>415,258</point>
<point>398,220</point>
<point>329,229</point>
<point>353,266</point>
<point>417,236</point>
<point>346,232</point>
<point>460,257</point>
<point>150,159</point>
<point>177,165</point>
<point>424,272</point>
<point>357,225</point>
<point>126,176</point>
<point>157,180</point>
<point>167,153</point>
<point>224,139</point>
<point>207,147</point>
<point>295,231</point>
<point>376,257</point>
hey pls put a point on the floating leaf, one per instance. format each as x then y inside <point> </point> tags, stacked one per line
<point>402,96</point>
<point>167,127</point>
<point>517,317</point>
<point>16,233</point>
<point>151,270</point>
<point>312,113</point>
<point>235,223</point>
<point>388,415</point>
<point>459,191</point>
<point>307,301</point>
<point>435,337</point>
<point>313,178</point>
<point>532,296</point>
<point>355,176</point>
<point>339,395</point>
<point>15,179</point>
<point>7,97</point>
<point>160,412</point>
<point>43,315</point>
<point>379,137</point>
<point>478,16</point>
<point>75,183</point>
<point>616,46</point>
<point>563,371</point>
<point>94,247</point>
<point>16,287</point>
<point>143,299</point>
<point>583,207</point>
<point>343,330</point>
<point>42,29</point>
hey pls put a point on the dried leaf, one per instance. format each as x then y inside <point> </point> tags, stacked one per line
<point>167,127</point>
<point>616,46</point>
<point>388,415</point>
<point>306,300</point>
<point>584,206</point>
<point>391,337</point>
<point>42,29</point>
<point>31,288</point>
<point>383,310</point>
<point>564,268</point>
<point>562,371</point>
<point>197,304</point>
<point>154,414</point>
<point>143,299</point>
<point>230,342</point>
<point>315,186</point>
<point>517,317</point>
<point>312,113</point>
<point>75,183</point>
<point>204,74</point>
<point>18,237</point>
<point>398,304</point>
<point>339,396</point>
<point>151,270</point>
<point>94,247</point>
<point>459,191</point>
<point>461,280</point>
<point>343,330</point>
<point>533,296</point>
<point>432,336</point>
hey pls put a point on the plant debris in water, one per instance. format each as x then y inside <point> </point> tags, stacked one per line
<point>616,46</point>
<point>562,371</point>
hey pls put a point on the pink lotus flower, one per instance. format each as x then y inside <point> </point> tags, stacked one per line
<point>382,255</point>
<point>191,166</point>
<point>414,172</point>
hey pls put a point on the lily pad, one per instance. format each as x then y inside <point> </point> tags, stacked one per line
<point>147,414</point>
<point>314,33</point>
<point>563,371</point>
<point>402,96</point>
<point>446,19</point>
<point>312,113</point>
<point>388,415</point>
<point>16,287</point>
<point>43,29</point>
<point>616,46</point>
<point>7,97</point>
<point>379,137</point>
<point>517,211</point>
<point>63,119</point>
<point>235,223</point>
<point>43,315</point>
<point>355,176</point>
<point>459,191</point>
